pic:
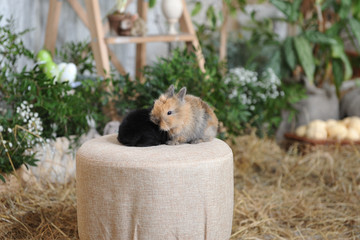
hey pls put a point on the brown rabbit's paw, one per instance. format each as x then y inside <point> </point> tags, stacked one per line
<point>195,141</point>
<point>172,142</point>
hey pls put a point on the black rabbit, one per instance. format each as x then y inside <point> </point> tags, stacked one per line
<point>137,130</point>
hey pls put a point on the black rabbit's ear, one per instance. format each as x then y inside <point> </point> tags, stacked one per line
<point>181,94</point>
<point>170,92</point>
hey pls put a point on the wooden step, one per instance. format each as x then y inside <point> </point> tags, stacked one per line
<point>182,37</point>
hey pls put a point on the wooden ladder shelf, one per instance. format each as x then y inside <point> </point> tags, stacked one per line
<point>99,42</point>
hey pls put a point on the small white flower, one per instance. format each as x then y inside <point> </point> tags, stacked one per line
<point>29,88</point>
<point>9,130</point>
<point>233,94</point>
<point>1,128</point>
<point>10,144</point>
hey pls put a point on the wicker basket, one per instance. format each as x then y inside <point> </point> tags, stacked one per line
<point>306,145</point>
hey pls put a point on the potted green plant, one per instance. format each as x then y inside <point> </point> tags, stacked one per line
<point>120,21</point>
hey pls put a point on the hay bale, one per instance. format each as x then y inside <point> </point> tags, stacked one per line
<point>39,210</point>
<point>284,195</point>
<point>278,195</point>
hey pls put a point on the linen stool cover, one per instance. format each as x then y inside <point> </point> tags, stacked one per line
<point>153,193</point>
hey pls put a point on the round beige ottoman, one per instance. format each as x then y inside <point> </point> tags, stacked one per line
<point>153,193</point>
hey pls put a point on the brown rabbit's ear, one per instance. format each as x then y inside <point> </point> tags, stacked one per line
<point>181,94</point>
<point>170,92</point>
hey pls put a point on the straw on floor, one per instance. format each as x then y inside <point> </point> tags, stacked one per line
<point>278,195</point>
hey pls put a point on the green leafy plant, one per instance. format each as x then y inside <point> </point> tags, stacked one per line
<point>63,110</point>
<point>89,88</point>
<point>35,108</point>
<point>257,62</point>
<point>17,136</point>
<point>14,138</point>
<point>213,15</point>
<point>262,50</point>
<point>212,33</point>
<point>264,96</point>
<point>316,44</point>
<point>78,53</point>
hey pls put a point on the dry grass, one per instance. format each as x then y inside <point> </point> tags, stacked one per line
<point>282,195</point>
<point>39,211</point>
<point>278,195</point>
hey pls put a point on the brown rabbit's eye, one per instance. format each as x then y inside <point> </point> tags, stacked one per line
<point>169,112</point>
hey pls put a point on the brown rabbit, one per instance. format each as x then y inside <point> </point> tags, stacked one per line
<point>186,118</point>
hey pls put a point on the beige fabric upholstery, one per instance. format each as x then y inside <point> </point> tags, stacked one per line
<point>153,193</point>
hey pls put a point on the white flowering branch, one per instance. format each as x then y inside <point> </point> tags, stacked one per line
<point>9,157</point>
<point>35,128</point>
<point>255,88</point>
<point>26,130</point>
